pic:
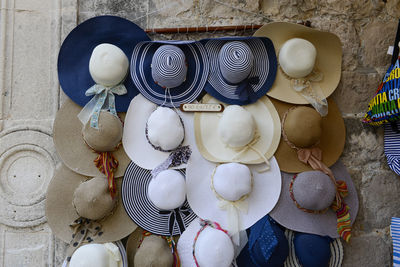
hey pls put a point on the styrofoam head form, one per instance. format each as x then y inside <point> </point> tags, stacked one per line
<point>108,64</point>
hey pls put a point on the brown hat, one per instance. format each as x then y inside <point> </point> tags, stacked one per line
<point>328,58</point>
<point>66,197</point>
<point>70,135</point>
<point>305,128</point>
<point>148,250</point>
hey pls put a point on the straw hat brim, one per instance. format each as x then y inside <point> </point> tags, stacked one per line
<point>134,137</point>
<point>72,149</point>
<point>262,199</point>
<point>335,246</point>
<point>329,58</point>
<point>288,215</point>
<point>331,143</point>
<point>213,149</point>
<point>60,211</point>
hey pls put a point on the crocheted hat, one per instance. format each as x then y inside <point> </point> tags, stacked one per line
<point>242,69</point>
<point>73,64</point>
<point>169,73</point>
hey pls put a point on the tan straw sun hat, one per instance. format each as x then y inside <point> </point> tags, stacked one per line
<point>305,55</point>
<point>306,129</point>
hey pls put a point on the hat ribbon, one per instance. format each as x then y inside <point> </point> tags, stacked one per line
<point>103,96</point>
<point>177,157</point>
<point>107,164</point>
<point>83,230</point>
<point>204,224</point>
<point>243,149</point>
<point>261,232</point>
<point>244,89</point>
<point>171,244</point>
<point>176,216</point>
<point>309,88</point>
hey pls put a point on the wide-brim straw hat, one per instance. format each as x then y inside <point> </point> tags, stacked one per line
<point>336,248</point>
<point>75,52</point>
<point>331,141</point>
<point>196,77</point>
<point>264,68</point>
<point>287,214</point>
<point>71,147</point>
<point>144,213</point>
<point>211,147</point>
<point>266,187</point>
<point>134,138</point>
<point>328,61</point>
<point>60,211</point>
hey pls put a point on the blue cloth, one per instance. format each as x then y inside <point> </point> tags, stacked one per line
<point>392,147</point>
<point>312,250</point>
<point>267,245</point>
<point>75,52</point>
<point>395,233</point>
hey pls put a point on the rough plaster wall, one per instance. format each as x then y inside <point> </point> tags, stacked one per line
<point>30,35</point>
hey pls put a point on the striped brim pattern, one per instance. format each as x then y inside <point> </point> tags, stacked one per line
<point>143,212</point>
<point>336,252</point>
<point>196,77</point>
<point>395,233</point>
<point>392,147</point>
<point>264,67</point>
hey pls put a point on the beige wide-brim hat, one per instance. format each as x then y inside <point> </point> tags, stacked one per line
<point>71,147</point>
<point>331,142</point>
<point>213,149</point>
<point>134,138</point>
<point>133,243</point>
<point>60,211</point>
<point>328,61</point>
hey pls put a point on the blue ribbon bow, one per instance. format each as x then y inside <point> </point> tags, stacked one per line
<point>244,89</point>
<point>176,216</point>
<point>103,96</point>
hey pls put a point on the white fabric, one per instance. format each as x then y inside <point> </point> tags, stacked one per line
<point>236,127</point>
<point>232,181</point>
<point>164,128</point>
<point>167,191</point>
<point>108,64</point>
<point>99,255</point>
<point>297,57</point>
<point>203,201</point>
<point>134,138</point>
<point>214,248</point>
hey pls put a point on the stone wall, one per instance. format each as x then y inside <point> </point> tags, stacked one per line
<point>30,35</point>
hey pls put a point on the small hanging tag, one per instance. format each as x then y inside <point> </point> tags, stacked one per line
<point>390,50</point>
<point>212,107</point>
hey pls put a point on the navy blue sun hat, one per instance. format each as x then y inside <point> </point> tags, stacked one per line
<point>170,73</point>
<point>267,245</point>
<point>242,69</point>
<point>76,50</point>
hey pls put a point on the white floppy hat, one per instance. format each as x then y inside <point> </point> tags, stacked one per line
<point>151,133</point>
<point>247,134</point>
<point>205,243</point>
<point>217,192</point>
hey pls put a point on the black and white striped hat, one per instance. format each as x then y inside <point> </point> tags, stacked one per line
<point>144,213</point>
<point>170,73</point>
<point>242,69</point>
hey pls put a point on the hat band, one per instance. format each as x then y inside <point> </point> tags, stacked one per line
<point>171,245</point>
<point>309,88</point>
<point>204,224</point>
<point>175,216</point>
<point>313,157</point>
<point>233,208</point>
<point>243,89</point>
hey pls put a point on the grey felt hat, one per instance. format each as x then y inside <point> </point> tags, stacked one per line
<point>313,190</point>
